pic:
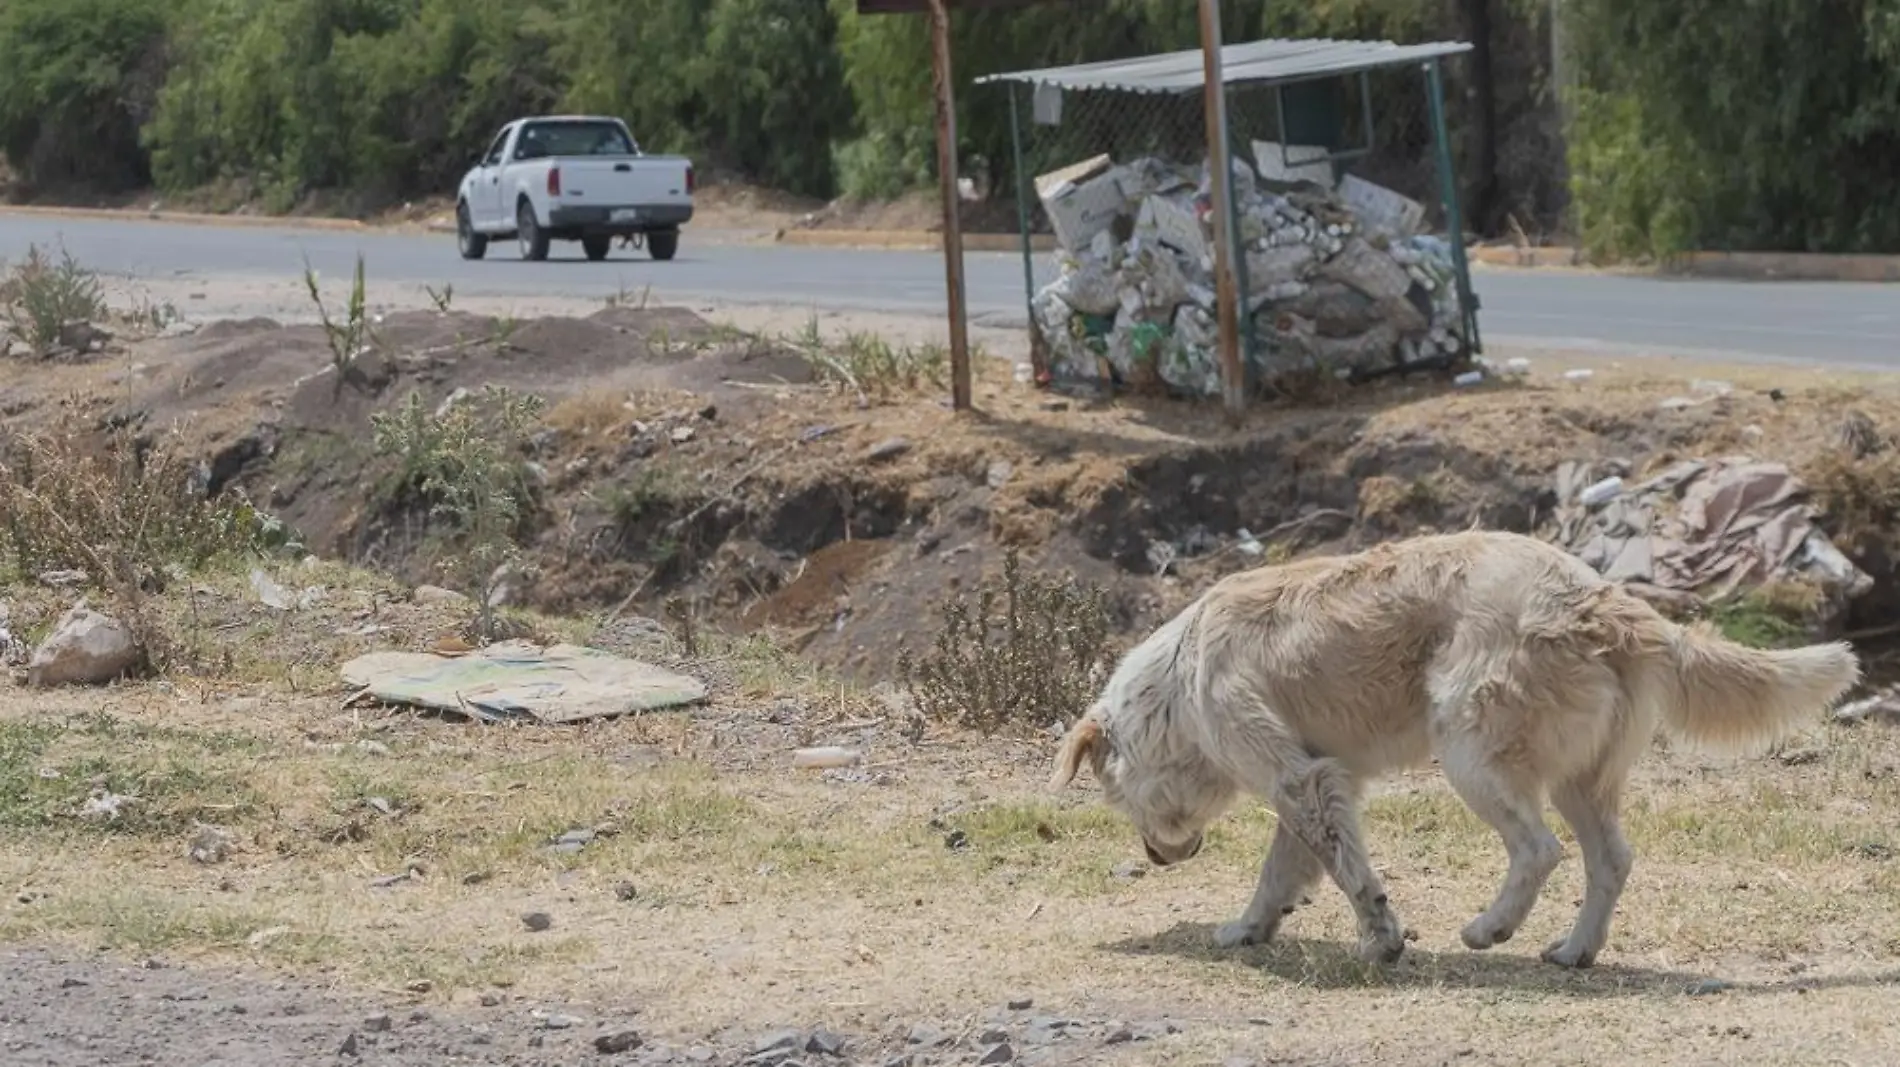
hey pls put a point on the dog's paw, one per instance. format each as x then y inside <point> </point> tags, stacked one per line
<point>1382,941</point>
<point>1240,932</point>
<point>1382,949</point>
<point>1482,933</point>
<point>1563,955</point>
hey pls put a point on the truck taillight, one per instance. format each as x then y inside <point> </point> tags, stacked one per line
<point>554,181</point>
<point>689,179</point>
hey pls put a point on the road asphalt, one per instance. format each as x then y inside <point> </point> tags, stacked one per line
<point>1838,324</point>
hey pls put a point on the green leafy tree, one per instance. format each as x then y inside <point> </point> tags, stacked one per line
<point>1767,124</point>
<point>77,77</point>
<point>773,89</point>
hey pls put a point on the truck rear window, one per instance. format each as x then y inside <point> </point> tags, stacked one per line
<point>542,139</point>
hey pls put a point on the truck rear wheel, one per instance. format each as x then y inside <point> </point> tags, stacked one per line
<point>663,243</point>
<point>597,247</point>
<point>533,239</point>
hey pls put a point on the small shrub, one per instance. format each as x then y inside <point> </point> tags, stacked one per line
<point>117,511</point>
<point>41,296</point>
<point>348,339</point>
<point>465,464</point>
<point>1028,650</point>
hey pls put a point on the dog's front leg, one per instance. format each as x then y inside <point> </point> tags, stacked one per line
<point>1289,870</point>
<point>1319,802</point>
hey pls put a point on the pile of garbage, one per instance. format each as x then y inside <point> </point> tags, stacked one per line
<point>1702,531</point>
<point>1338,279</point>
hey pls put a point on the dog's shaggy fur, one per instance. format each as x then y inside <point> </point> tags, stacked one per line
<point>1524,671</point>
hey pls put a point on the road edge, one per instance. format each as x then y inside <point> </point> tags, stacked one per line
<point>186,218</point>
<point>1753,266</point>
<point>1736,266</point>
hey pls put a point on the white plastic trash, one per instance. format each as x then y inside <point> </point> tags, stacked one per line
<point>820,758</point>
<point>1578,374</point>
<point>1470,377</point>
<point>1606,490</point>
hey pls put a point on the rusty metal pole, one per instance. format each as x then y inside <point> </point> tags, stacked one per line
<point>945,89</point>
<point>1220,167</point>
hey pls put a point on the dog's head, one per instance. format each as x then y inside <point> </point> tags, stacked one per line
<point>1170,796</point>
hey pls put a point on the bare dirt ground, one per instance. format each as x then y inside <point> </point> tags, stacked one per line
<point>364,875</point>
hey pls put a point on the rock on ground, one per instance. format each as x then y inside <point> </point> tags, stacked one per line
<point>85,648</point>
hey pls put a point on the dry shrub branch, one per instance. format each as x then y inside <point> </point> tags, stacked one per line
<point>1027,650</point>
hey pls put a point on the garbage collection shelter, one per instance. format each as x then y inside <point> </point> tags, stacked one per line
<point>1298,88</point>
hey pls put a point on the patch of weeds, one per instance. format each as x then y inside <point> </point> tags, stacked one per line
<point>655,491</point>
<point>1028,650</point>
<point>872,367</point>
<point>1774,615</point>
<point>626,298</point>
<point>53,776</point>
<point>350,339</point>
<point>41,296</point>
<point>443,298</point>
<point>131,519</point>
<point>465,465</point>
<point>505,327</point>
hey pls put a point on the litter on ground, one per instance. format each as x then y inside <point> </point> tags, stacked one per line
<point>519,681</point>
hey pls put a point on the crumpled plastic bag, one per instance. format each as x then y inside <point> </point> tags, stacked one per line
<point>1189,363</point>
<point>1155,275</point>
<point>1088,285</point>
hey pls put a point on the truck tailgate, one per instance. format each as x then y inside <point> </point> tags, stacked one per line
<point>645,181</point>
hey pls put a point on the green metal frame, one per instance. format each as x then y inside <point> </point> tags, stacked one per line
<point>1454,217</point>
<point>1023,192</point>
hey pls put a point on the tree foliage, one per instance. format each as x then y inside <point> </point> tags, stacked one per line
<point>1746,123</point>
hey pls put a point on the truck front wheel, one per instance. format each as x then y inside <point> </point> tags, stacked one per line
<point>663,243</point>
<point>471,244</point>
<point>533,239</point>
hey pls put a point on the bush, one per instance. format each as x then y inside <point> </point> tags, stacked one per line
<point>1028,650</point>
<point>77,80</point>
<point>128,514</point>
<point>464,464</point>
<point>39,297</point>
<point>1765,126</point>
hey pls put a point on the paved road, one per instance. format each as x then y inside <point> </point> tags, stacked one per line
<point>1838,324</point>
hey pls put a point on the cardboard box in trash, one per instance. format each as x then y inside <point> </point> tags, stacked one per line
<point>1296,163</point>
<point>1083,199</point>
<point>1380,209</point>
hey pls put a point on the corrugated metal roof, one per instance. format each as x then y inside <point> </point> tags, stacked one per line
<point>1271,60</point>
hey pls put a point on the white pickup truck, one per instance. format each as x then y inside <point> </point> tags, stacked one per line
<point>572,178</point>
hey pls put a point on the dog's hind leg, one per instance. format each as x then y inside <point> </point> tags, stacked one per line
<point>1513,808</point>
<point>1289,870</point>
<point>1318,801</point>
<point>1589,805</point>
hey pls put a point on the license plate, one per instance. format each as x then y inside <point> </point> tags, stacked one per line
<point>624,214</point>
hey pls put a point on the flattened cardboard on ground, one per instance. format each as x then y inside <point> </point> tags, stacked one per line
<point>517,680</point>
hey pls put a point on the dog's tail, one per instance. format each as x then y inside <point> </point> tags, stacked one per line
<point>1721,696</point>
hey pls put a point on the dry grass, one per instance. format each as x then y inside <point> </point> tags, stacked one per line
<point>726,888</point>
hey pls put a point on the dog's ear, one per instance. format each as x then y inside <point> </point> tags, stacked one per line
<point>1085,742</point>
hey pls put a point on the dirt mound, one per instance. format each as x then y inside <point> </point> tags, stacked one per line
<point>683,459</point>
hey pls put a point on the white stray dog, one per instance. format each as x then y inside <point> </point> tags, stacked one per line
<point>1520,667</point>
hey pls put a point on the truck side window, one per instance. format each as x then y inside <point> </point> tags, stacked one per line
<point>494,150</point>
